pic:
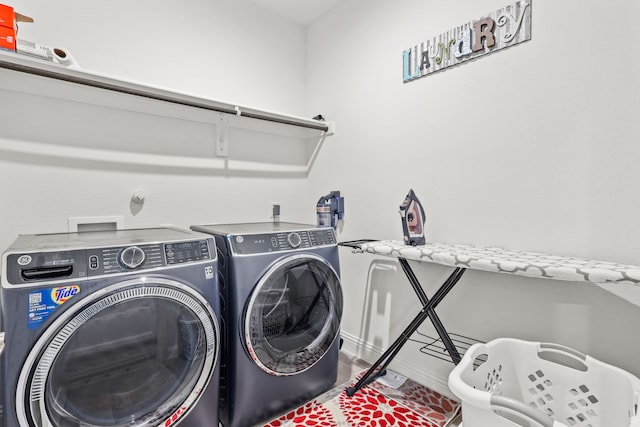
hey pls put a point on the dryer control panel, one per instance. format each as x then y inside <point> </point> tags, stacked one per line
<point>247,244</point>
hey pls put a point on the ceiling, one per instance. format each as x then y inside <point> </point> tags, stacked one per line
<point>302,12</point>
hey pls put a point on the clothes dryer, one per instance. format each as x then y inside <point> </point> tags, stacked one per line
<point>281,310</point>
<point>111,329</point>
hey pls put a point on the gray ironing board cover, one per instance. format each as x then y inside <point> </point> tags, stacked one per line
<point>623,280</point>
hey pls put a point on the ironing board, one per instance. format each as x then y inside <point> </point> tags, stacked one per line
<point>623,280</point>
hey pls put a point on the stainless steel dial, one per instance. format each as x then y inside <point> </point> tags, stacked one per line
<point>294,239</point>
<point>131,257</point>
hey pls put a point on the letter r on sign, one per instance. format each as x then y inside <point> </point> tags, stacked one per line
<point>483,30</point>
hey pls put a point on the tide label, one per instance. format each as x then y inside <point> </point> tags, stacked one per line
<point>42,303</point>
<point>62,294</point>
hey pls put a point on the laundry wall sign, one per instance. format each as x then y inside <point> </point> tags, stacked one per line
<point>505,27</point>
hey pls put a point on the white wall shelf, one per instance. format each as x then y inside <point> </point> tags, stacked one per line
<point>81,115</point>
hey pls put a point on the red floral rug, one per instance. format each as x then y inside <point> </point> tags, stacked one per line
<point>410,405</point>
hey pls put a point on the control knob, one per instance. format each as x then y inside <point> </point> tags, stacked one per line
<point>294,240</point>
<point>131,257</point>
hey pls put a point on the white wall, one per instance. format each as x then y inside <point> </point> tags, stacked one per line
<point>531,148</point>
<point>224,50</point>
<point>229,50</point>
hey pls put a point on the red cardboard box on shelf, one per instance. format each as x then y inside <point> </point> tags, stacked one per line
<point>9,26</point>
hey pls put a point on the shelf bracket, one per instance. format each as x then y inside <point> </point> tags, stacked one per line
<point>222,134</point>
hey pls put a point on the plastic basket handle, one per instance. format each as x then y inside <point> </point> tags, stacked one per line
<point>474,351</point>
<point>521,410</point>
<point>563,355</point>
<point>459,387</point>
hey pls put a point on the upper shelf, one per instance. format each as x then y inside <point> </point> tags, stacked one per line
<point>43,68</point>
<point>94,119</point>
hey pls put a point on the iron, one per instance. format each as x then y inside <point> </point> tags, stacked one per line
<point>413,220</point>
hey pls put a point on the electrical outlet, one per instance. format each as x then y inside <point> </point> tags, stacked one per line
<point>275,209</point>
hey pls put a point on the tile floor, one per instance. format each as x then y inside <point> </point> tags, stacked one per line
<point>349,366</point>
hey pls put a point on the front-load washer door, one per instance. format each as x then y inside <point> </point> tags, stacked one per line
<point>293,315</point>
<point>134,354</point>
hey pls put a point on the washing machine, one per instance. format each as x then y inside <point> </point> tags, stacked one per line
<point>111,329</point>
<point>281,311</point>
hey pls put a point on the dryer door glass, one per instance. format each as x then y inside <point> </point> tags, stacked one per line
<point>293,315</point>
<point>135,357</point>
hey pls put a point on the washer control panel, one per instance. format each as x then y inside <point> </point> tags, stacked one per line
<point>178,253</point>
<point>124,258</point>
<point>245,244</point>
<point>31,267</point>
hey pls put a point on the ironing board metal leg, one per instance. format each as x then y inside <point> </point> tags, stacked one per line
<point>428,311</point>
<point>381,364</point>
<point>431,305</point>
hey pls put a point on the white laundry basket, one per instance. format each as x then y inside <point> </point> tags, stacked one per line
<point>521,383</point>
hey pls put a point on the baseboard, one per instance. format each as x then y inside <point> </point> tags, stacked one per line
<point>354,346</point>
